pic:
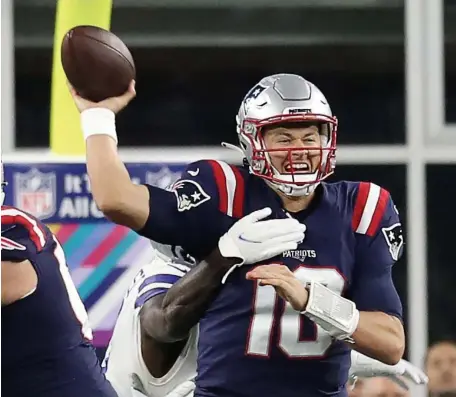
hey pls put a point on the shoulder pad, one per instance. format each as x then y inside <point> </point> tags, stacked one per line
<point>22,234</point>
<point>209,177</point>
<point>156,278</point>
<point>370,204</point>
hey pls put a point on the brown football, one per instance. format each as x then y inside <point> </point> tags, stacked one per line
<point>97,63</point>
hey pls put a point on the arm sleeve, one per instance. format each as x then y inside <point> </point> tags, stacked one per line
<point>379,245</point>
<point>193,212</point>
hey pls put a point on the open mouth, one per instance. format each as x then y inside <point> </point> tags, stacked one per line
<point>297,168</point>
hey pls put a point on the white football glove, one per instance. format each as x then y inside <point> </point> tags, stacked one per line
<point>252,240</point>
<point>183,390</point>
<point>366,367</point>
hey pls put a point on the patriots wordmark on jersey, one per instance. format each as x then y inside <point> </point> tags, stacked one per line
<point>123,363</point>
<point>47,350</point>
<point>249,339</point>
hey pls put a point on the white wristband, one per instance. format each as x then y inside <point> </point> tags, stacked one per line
<point>334,313</point>
<point>98,121</point>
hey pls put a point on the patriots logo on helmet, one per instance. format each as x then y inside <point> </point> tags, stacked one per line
<point>252,95</point>
<point>189,194</point>
<point>395,239</point>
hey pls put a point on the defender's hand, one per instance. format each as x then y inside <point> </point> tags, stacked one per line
<point>252,240</point>
<point>115,104</point>
<point>366,367</point>
<point>284,282</point>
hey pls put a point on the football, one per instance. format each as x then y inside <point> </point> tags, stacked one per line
<point>97,63</point>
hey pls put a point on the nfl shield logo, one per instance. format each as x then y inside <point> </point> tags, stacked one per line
<point>35,192</point>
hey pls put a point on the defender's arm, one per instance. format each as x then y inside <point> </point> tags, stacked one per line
<point>170,317</point>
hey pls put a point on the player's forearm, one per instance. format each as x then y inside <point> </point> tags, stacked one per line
<point>187,300</point>
<point>108,175</point>
<point>380,336</point>
<point>116,196</point>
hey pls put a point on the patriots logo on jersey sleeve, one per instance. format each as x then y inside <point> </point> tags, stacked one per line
<point>394,238</point>
<point>189,194</point>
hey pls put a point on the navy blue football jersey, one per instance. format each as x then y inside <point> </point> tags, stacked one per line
<point>46,349</point>
<point>251,342</point>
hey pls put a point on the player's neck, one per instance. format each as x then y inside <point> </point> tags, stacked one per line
<point>296,203</point>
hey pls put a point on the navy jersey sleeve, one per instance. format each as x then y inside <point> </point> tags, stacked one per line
<point>23,236</point>
<point>195,211</point>
<point>379,245</point>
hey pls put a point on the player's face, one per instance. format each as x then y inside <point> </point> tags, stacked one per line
<point>301,139</point>
<point>441,367</point>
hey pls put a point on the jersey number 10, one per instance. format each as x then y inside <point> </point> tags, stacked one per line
<point>289,323</point>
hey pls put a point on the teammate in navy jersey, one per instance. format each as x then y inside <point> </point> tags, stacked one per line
<point>336,287</point>
<point>46,348</point>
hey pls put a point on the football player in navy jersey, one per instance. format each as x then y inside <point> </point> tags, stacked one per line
<point>46,348</point>
<point>286,326</point>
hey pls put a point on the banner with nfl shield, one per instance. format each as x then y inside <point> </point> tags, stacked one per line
<point>103,257</point>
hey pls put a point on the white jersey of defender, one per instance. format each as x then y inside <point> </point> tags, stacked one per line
<point>124,365</point>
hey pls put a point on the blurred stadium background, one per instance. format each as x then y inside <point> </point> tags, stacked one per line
<point>386,66</point>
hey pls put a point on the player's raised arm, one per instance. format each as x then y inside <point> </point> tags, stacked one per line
<point>182,216</point>
<point>115,194</point>
<point>158,214</point>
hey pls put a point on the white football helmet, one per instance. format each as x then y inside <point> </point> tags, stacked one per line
<point>284,98</point>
